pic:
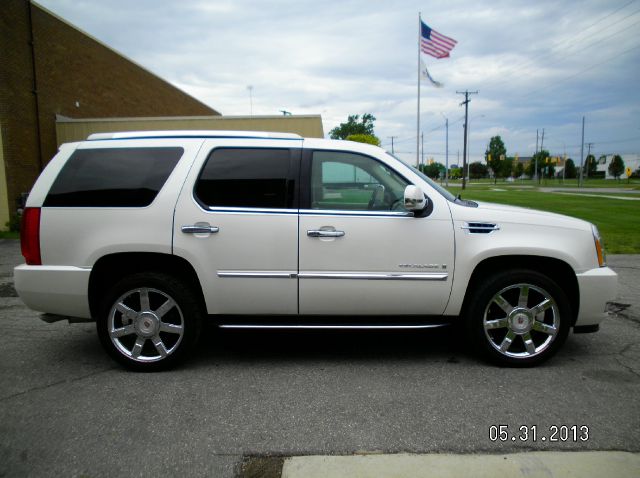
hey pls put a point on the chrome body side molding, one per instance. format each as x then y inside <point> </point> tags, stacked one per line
<point>428,276</point>
<point>258,274</point>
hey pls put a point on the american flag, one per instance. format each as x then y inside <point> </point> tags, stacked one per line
<point>433,43</point>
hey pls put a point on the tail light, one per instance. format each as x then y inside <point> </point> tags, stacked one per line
<point>30,236</point>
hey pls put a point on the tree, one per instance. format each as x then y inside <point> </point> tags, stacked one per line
<point>590,165</point>
<point>506,167</point>
<point>354,125</point>
<point>570,170</point>
<point>616,166</point>
<point>478,170</point>
<point>364,138</point>
<point>455,173</point>
<point>494,154</point>
<point>548,169</point>
<point>541,156</point>
<point>518,169</point>
<point>433,170</point>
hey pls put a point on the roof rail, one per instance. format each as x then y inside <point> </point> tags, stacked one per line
<point>192,134</point>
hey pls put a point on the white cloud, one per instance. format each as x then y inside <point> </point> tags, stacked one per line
<point>536,65</point>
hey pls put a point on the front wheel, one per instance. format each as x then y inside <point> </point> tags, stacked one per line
<point>149,321</point>
<point>518,318</point>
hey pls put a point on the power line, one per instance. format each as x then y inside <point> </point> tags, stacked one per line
<point>570,41</point>
<point>582,71</point>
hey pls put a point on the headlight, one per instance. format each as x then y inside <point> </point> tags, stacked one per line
<point>599,246</point>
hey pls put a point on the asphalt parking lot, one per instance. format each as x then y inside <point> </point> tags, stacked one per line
<point>68,410</point>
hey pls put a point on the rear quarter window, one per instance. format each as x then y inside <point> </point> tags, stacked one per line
<point>113,177</point>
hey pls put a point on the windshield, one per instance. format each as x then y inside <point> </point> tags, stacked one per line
<point>427,179</point>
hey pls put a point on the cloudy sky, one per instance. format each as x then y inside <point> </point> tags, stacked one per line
<point>535,64</point>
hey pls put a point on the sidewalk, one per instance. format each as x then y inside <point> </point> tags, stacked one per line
<point>541,464</point>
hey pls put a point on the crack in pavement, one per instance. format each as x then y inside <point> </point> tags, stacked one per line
<point>44,387</point>
<point>627,367</point>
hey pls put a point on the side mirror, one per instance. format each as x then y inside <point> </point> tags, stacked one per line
<point>414,198</point>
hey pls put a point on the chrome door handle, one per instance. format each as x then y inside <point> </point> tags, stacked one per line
<point>321,233</point>
<point>195,229</point>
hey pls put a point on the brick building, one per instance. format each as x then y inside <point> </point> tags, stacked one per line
<point>47,68</point>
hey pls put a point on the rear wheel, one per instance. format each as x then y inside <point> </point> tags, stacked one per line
<point>518,318</point>
<point>149,321</point>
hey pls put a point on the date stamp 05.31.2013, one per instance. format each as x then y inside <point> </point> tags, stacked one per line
<point>538,434</point>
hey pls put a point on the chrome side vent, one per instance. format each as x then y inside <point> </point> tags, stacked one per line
<point>480,227</point>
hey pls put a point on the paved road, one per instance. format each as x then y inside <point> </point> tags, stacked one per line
<point>67,410</point>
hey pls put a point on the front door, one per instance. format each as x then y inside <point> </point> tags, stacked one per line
<point>361,252</point>
<point>236,221</point>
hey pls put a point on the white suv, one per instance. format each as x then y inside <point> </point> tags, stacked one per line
<point>151,232</point>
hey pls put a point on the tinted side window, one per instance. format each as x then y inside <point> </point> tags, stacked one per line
<point>113,177</point>
<point>243,177</point>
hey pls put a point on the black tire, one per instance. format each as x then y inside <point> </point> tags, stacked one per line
<point>149,321</point>
<point>531,332</point>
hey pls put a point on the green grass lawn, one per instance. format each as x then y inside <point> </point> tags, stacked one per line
<point>633,184</point>
<point>617,220</point>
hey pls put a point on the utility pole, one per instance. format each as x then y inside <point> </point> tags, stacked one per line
<point>466,94</point>
<point>541,148</point>
<point>588,154</point>
<point>392,137</point>
<point>535,171</point>
<point>250,88</point>
<point>446,170</point>
<point>581,154</point>
<point>564,164</point>
<point>422,148</point>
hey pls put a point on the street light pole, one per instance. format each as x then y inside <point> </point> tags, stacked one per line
<point>581,154</point>
<point>446,170</point>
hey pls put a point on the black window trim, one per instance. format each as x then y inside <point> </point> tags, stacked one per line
<point>292,175</point>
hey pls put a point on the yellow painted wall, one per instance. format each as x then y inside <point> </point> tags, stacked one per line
<point>4,199</point>
<point>308,126</point>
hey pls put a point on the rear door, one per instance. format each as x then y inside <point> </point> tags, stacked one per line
<point>236,221</point>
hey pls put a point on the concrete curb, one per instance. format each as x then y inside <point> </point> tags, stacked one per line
<point>531,465</point>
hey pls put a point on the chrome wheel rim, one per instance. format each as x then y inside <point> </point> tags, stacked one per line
<point>145,325</point>
<point>521,321</point>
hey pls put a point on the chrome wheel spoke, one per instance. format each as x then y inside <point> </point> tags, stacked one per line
<point>137,348</point>
<point>164,308</point>
<point>122,331</point>
<point>127,312</point>
<point>503,304</point>
<point>171,328</point>
<point>541,307</point>
<point>528,343</point>
<point>523,298</point>
<point>508,340</point>
<point>545,328</point>
<point>144,300</point>
<point>496,324</point>
<point>159,345</point>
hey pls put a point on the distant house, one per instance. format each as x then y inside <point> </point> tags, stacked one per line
<point>630,161</point>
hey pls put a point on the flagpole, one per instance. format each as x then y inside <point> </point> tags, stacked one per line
<point>418,116</point>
